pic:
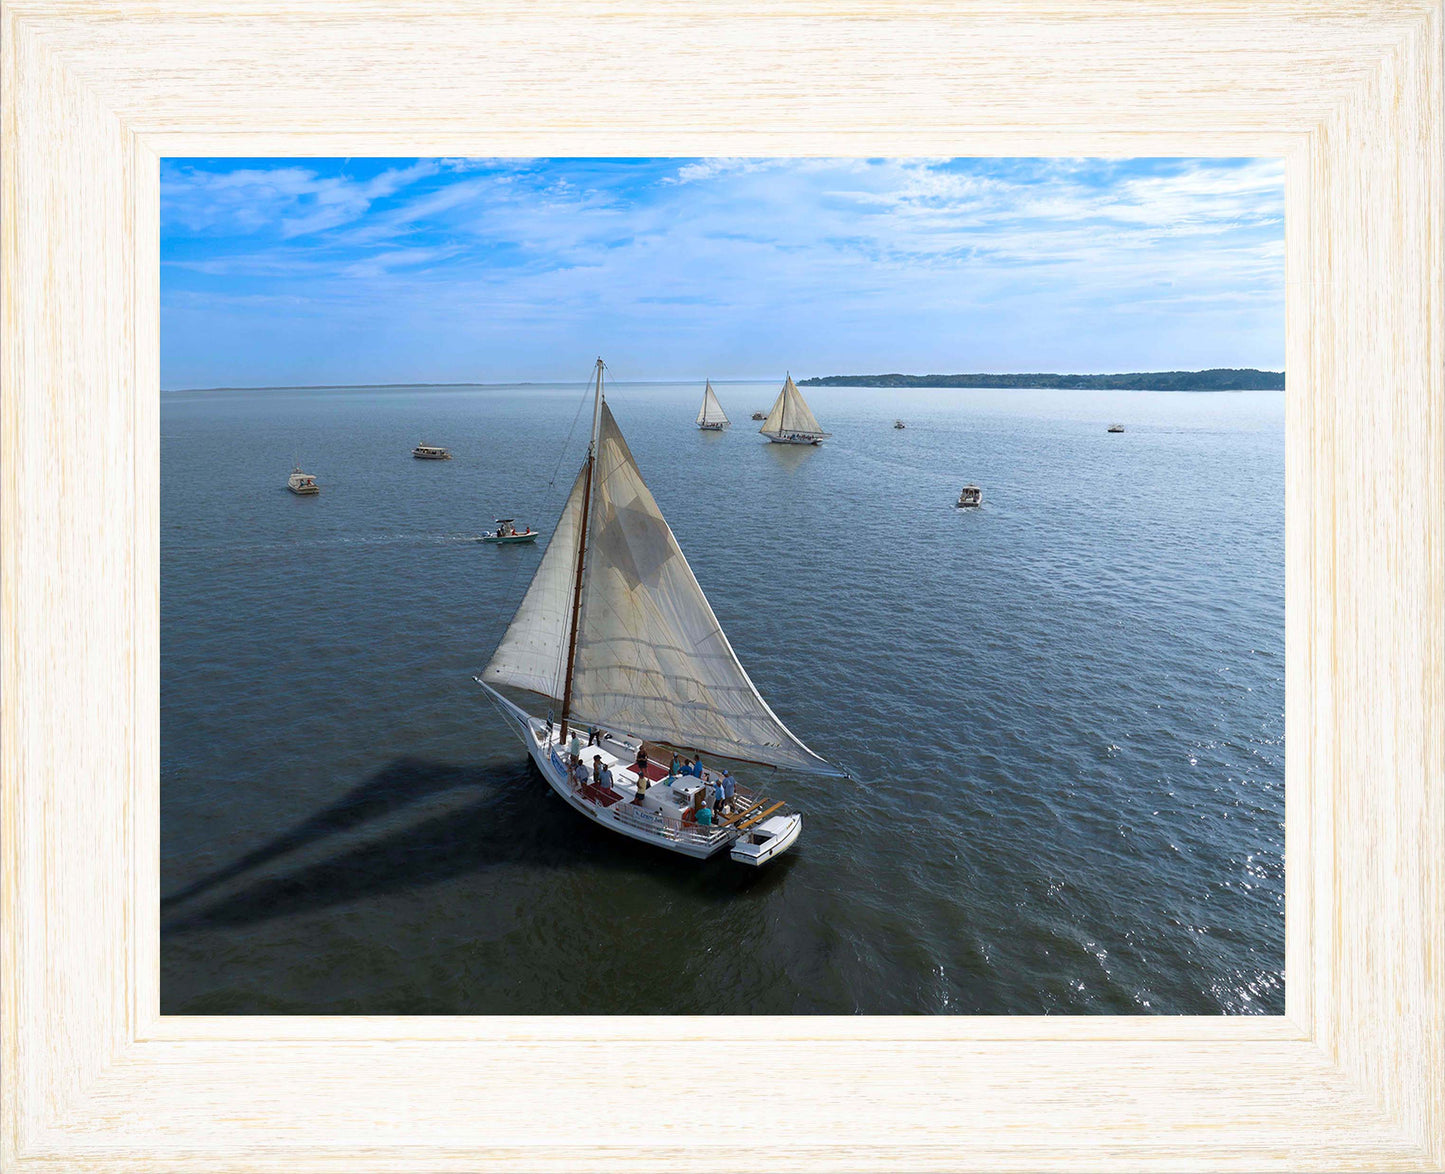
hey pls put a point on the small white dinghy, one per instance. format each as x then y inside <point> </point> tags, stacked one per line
<point>615,629</point>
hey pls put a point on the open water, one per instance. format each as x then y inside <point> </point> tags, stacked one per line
<point>1063,711</point>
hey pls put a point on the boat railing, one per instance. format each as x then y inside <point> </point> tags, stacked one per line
<point>666,825</point>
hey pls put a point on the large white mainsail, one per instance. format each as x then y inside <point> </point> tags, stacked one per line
<point>791,415</point>
<point>651,658</point>
<point>711,413</point>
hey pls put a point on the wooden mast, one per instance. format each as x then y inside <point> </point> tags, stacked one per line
<point>581,554</point>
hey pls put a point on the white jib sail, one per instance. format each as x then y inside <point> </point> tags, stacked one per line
<point>651,658</point>
<point>711,412</point>
<point>791,414</point>
<point>534,647</point>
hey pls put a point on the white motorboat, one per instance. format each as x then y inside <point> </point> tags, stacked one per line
<point>431,452</point>
<point>1115,428</point>
<point>507,534</point>
<point>791,421</point>
<point>969,495</point>
<point>301,483</point>
<point>616,632</point>
<point>711,417</point>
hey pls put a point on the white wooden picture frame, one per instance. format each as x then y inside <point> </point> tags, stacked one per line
<point>1350,94</point>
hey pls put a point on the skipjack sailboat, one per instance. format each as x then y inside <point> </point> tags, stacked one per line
<point>791,421</point>
<point>615,628</point>
<point>711,418</point>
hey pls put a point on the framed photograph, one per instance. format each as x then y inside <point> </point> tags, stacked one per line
<point>285,889</point>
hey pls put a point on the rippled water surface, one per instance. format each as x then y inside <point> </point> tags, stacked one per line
<point>1063,711</point>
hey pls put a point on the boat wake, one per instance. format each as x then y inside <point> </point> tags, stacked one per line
<point>337,542</point>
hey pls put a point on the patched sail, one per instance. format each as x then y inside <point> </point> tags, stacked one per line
<point>711,412</point>
<point>791,414</point>
<point>651,658</point>
<point>533,651</point>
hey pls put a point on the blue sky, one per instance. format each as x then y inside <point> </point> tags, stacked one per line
<point>307,271</point>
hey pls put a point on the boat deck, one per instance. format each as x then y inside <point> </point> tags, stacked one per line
<point>661,809</point>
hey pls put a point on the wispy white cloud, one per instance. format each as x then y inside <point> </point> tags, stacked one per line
<point>292,200</point>
<point>742,264</point>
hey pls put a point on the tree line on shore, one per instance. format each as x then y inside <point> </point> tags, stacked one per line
<point>1215,379</point>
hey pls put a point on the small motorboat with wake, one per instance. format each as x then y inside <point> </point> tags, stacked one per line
<point>968,496</point>
<point>301,483</point>
<point>616,632</point>
<point>507,533</point>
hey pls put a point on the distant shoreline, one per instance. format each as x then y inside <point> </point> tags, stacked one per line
<point>1216,379</point>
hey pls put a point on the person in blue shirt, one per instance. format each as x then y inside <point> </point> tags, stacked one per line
<point>726,785</point>
<point>704,816</point>
<point>697,768</point>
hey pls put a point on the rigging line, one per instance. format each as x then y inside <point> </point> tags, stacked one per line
<point>577,415</point>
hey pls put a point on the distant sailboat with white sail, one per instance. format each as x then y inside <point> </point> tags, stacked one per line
<point>791,421</point>
<point>616,632</point>
<point>711,417</point>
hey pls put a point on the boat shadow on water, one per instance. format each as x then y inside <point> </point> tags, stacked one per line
<point>473,818</point>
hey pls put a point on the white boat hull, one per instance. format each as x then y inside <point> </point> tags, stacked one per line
<point>751,846</point>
